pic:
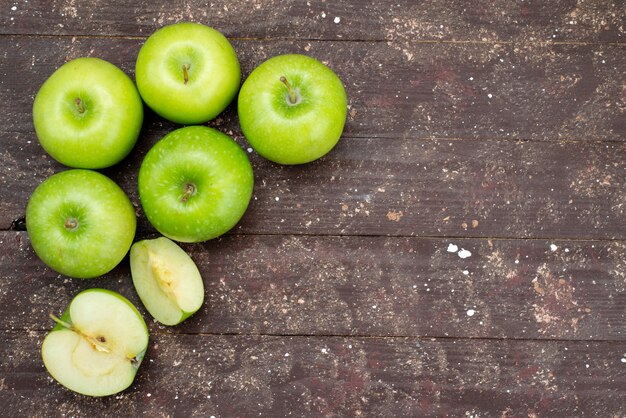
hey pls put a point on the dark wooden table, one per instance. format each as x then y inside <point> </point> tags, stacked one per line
<point>491,126</point>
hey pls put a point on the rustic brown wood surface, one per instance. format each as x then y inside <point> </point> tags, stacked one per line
<point>497,127</point>
<point>371,183</point>
<point>432,20</point>
<point>551,92</point>
<point>237,375</point>
<point>367,286</point>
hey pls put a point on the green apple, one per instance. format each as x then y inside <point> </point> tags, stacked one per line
<point>195,184</point>
<point>97,345</point>
<point>80,223</point>
<point>88,114</point>
<point>166,279</point>
<point>187,73</point>
<point>292,109</point>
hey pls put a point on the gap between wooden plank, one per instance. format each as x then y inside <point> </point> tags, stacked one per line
<point>355,336</point>
<point>339,40</point>
<point>416,138</point>
<point>151,234</point>
<point>440,138</point>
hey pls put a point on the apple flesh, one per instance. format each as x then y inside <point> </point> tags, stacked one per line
<point>80,223</point>
<point>187,73</point>
<point>166,279</point>
<point>292,109</point>
<point>97,345</point>
<point>195,184</point>
<point>88,114</point>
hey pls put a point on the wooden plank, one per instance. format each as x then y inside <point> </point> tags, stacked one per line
<point>402,182</point>
<point>424,188</point>
<point>401,187</point>
<point>377,286</point>
<point>477,91</point>
<point>434,20</point>
<point>208,375</point>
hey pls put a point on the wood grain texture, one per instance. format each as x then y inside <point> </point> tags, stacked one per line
<point>495,127</point>
<point>432,20</point>
<point>390,175</point>
<point>398,89</point>
<point>375,286</point>
<point>207,375</point>
<point>401,187</point>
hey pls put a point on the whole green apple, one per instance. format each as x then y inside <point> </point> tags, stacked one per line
<point>80,223</point>
<point>97,345</point>
<point>292,109</point>
<point>195,184</point>
<point>187,73</point>
<point>88,114</point>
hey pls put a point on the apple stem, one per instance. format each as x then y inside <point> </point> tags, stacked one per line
<point>79,105</point>
<point>60,321</point>
<point>186,73</point>
<point>190,189</point>
<point>292,94</point>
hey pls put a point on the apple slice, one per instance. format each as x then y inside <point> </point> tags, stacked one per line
<point>166,279</point>
<point>97,345</point>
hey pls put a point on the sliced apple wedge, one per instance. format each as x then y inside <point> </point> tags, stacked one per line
<point>97,345</point>
<point>166,279</point>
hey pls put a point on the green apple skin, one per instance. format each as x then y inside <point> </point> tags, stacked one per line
<point>88,114</point>
<point>286,132</point>
<point>167,280</point>
<point>106,318</point>
<point>195,184</point>
<point>80,223</point>
<point>187,73</point>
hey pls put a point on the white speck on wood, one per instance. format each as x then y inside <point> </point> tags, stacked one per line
<point>464,253</point>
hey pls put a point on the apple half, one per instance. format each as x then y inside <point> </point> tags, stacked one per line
<point>166,279</point>
<point>97,345</point>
